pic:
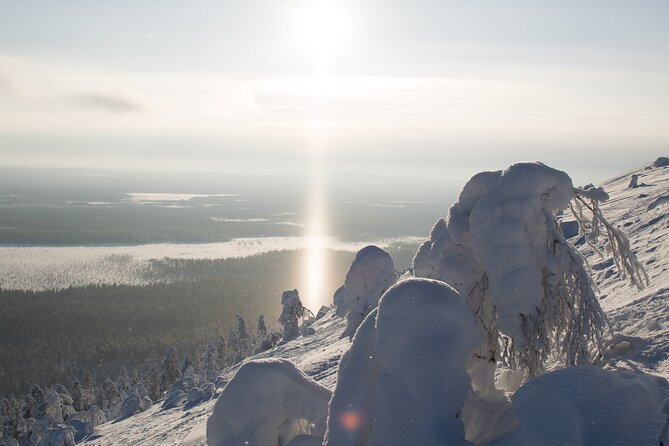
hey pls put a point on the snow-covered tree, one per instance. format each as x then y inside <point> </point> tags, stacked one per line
<point>170,371</point>
<point>292,312</point>
<point>108,394</point>
<point>123,383</point>
<point>222,353</point>
<point>209,357</point>
<point>261,330</point>
<point>38,395</point>
<point>243,336</point>
<point>87,380</point>
<point>529,289</point>
<point>152,382</point>
<point>76,393</point>
<point>233,346</point>
<point>187,367</point>
<point>370,275</point>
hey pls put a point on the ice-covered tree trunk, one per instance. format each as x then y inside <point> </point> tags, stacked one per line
<point>529,289</point>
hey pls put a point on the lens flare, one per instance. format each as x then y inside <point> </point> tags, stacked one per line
<point>351,420</point>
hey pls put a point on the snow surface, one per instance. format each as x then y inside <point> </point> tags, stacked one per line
<point>317,356</point>
<point>586,405</point>
<point>268,402</point>
<point>403,381</point>
<point>639,318</point>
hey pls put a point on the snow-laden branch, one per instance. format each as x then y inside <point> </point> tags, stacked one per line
<point>618,245</point>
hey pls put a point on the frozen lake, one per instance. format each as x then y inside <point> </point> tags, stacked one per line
<point>57,267</point>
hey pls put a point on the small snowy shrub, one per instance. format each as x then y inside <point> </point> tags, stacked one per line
<point>404,380</point>
<point>268,402</point>
<point>529,289</point>
<point>370,275</point>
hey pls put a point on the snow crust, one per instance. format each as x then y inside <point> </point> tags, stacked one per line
<point>404,380</point>
<point>268,402</point>
<point>370,275</point>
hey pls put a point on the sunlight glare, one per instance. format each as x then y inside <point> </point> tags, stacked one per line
<point>322,29</point>
<point>315,264</point>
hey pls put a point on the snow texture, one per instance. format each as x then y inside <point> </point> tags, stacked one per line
<point>268,402</point>
<point>370,275</point>
<point>404,380</point>
<point>585,405</point>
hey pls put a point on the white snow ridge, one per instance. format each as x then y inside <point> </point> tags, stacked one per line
<point>531,319</point>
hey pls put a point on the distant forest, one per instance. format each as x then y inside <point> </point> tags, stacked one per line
<point>127,224</point>
<point>52,336</point>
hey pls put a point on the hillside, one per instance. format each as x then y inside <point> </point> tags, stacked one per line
<point>639,317</point>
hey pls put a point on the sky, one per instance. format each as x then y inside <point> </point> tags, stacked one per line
<point>397,88</point>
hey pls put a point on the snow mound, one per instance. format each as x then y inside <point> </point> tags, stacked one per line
<point>586,405</point>
<point>175,399</point>
<point>58,436</point>
<point>184,385</point>
<point>133,405</point>
<point>403,381</point>
<point>195,395</point>
<point>370,275</point>
<point>662,161</point>
<point>268,402</point>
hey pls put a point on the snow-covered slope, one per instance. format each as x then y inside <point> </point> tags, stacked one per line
<point>639,317</point>
<point>317,355</point>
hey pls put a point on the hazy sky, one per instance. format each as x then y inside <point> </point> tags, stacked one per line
<point>386,86</point>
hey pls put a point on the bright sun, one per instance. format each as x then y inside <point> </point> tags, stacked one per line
<point>322,28</point>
